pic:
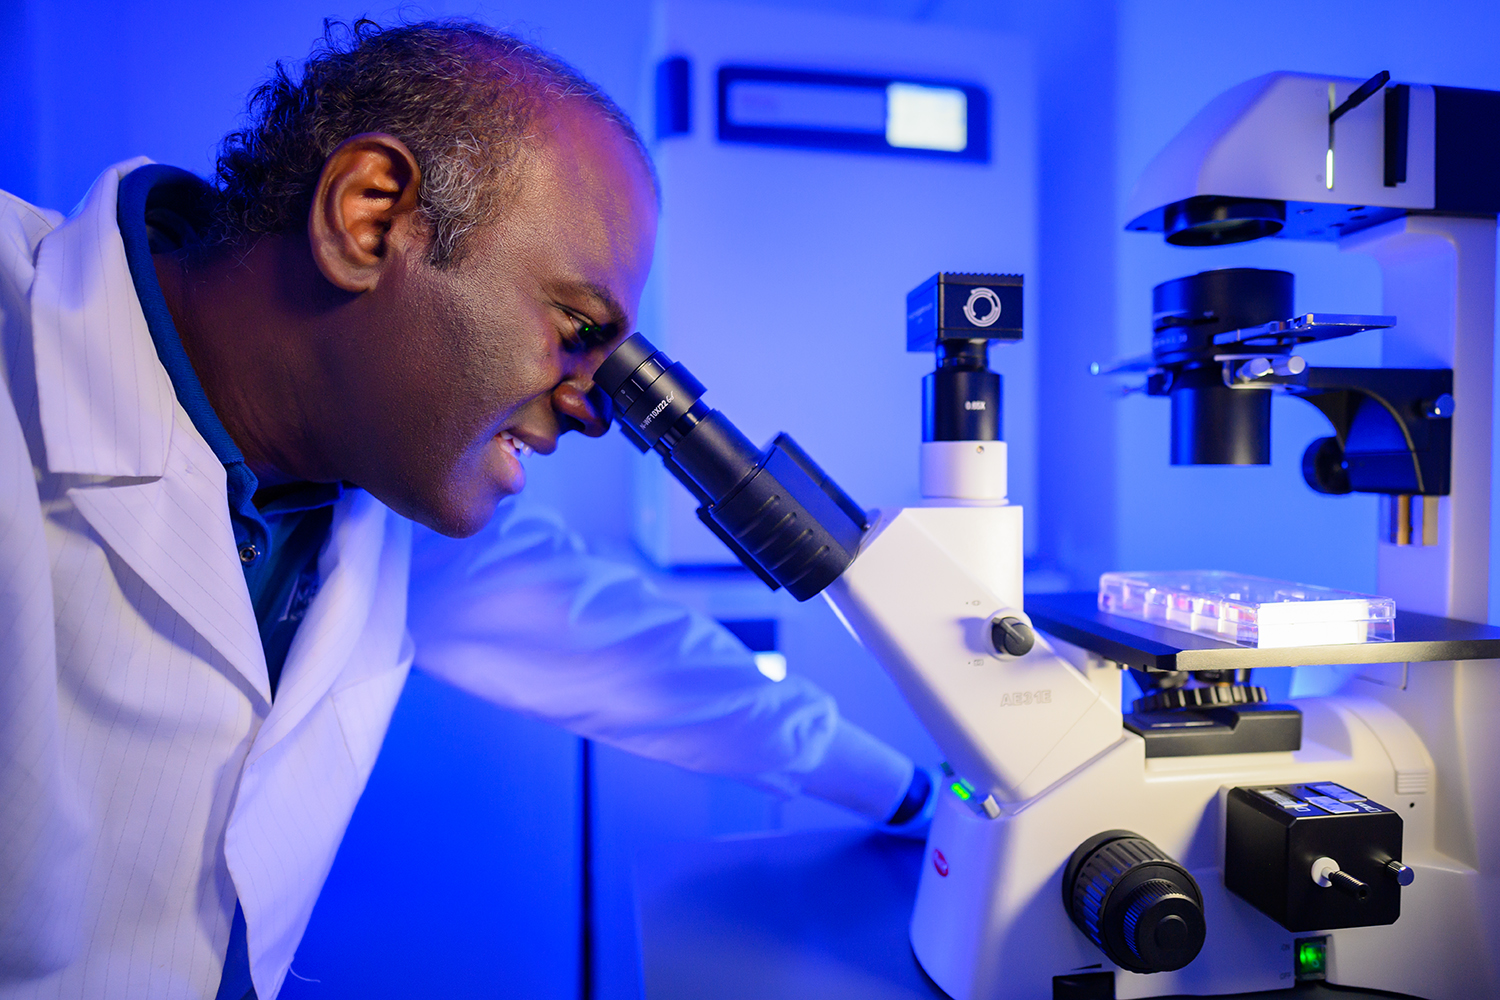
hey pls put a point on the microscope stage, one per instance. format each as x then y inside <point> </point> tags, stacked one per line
<point>1076,618</point>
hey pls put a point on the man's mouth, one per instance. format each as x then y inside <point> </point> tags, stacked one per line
<point>513,444</point>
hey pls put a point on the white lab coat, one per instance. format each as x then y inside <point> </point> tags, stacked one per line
<point>147,779</point>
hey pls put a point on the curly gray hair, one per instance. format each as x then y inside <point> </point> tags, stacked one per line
<point>464,98</point>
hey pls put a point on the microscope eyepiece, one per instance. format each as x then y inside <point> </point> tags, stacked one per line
<point>775,509</point>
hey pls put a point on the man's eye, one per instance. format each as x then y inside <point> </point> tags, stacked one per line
<point>587,336</point>
<point>597,335</point>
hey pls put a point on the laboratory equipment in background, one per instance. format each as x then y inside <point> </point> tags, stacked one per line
<point>813,166</point>
<point>1204,842</point>
<point>1222,344</point>
<point>1409,174</point>
<point>1210,322</point>
<point>1349,838</point>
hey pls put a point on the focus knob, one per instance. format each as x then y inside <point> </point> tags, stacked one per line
<point>1163,925</point>
<point>1141,908</point>
<point>1012,636</point>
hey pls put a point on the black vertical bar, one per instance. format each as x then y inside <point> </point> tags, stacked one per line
<point>1397,129</point>
<point>586,942</point>
<point>674,97</point>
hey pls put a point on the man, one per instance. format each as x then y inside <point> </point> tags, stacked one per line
<point>240,420</point>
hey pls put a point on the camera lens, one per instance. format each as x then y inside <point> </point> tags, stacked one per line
<point>961,399</point>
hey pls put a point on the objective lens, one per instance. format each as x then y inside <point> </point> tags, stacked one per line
<point>1213,424</point>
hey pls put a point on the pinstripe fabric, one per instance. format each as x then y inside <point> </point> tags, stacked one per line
<point>135,690</point>
<point>107,402</point>
<point>41,824</point>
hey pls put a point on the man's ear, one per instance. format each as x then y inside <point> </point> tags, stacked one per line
<point>364,207</point>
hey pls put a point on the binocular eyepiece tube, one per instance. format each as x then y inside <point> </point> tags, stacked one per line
<point>774,508</point>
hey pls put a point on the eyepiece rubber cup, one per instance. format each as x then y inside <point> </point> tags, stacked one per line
<point>622,363</point>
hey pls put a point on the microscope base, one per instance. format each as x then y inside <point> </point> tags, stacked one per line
<point>989,921</point>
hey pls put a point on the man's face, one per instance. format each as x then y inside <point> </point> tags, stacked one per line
<point>459,372</point>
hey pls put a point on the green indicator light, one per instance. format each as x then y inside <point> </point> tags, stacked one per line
<point>1312,958</point>
<point>962,790</point>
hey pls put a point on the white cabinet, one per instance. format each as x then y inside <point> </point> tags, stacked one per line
<point>781,271</point>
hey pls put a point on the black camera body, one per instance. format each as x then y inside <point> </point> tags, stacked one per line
<point>957,316</point>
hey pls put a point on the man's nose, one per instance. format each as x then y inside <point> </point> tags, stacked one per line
<point>582,406</point>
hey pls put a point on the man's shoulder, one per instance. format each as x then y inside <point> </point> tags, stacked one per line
<point>22,227</point>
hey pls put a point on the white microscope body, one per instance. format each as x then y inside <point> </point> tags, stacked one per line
<point>1038,740</point>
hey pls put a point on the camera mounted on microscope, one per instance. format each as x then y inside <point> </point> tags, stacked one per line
<point>958,316</point>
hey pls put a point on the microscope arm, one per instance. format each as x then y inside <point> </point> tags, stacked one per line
<point>1010,726</point>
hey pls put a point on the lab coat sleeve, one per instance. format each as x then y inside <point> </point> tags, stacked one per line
<point>41,821</point>
<point>522,616</point>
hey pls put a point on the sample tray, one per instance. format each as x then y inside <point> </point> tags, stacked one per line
<point>1076,618</point>
<point>1248,610</point>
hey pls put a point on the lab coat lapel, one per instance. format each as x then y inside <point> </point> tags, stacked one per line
<point>174,532</point>
<point>106,402</point>
<point>351,568</point>
<point>149,484</point>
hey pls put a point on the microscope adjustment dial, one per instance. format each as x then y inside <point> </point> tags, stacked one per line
<point>1141,908</point>
<point>1011,634</point>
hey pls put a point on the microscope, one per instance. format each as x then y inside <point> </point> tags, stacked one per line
<point>1199,841</point>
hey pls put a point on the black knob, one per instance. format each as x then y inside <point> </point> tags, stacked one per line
<point>1324,467</point>
<point>1349,885</point>
<point>1141,908</point>
<point>1012,636</point>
